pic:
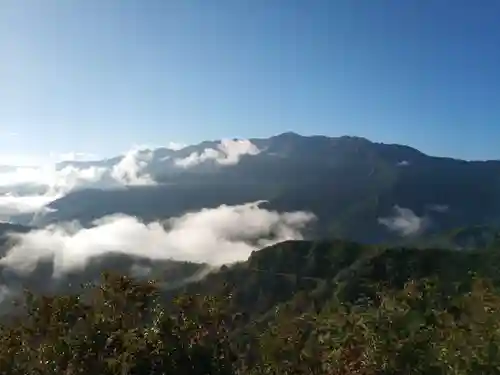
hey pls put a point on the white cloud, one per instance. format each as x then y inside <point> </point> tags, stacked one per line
<point>228,152</point>
<point>48,184</point>
<point>403,163</point>
<point>216,236</point>
<point>129,171</point>
<point>176,146</point>
<point>70,178</point>
<point>14,205</point>
<point>29,186</point>
<point>55,180</point>
<point>404,221</point>
<point>27,189</point>
<point>197,158</point>
<point>29,182</point>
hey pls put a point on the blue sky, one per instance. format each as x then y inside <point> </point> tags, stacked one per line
<point>98,76</point>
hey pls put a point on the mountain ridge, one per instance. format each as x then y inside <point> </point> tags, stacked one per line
<point>358,189</point>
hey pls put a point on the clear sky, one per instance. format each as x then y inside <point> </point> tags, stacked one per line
<point>98,76</point>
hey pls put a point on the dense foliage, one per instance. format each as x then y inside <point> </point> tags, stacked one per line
<point>117,327</point>
<point>318,308</point>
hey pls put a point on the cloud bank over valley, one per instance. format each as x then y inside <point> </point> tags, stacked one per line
<point>217,236</point>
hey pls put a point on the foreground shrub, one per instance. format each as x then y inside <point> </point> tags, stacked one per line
<point>117,327</point>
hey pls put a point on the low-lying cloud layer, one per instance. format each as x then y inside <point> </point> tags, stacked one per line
<point>13,205</point>
<point>404,222</point>
<point>441,208</point>
<point>228,152</point>
<point>28,189</point>
<point>216,236</point>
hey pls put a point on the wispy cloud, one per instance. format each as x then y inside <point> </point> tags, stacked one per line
<point>404,222</point>
<point>27,189</point>
<point>441,208</point>
<point>215,236</point>
<point>11,205</point>
<point>228,152</point>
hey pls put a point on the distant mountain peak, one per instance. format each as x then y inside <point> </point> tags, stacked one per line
<point>288,134</point>
<point>354,138</point>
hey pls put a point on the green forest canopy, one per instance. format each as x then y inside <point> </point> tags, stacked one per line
<point>318,308</point>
